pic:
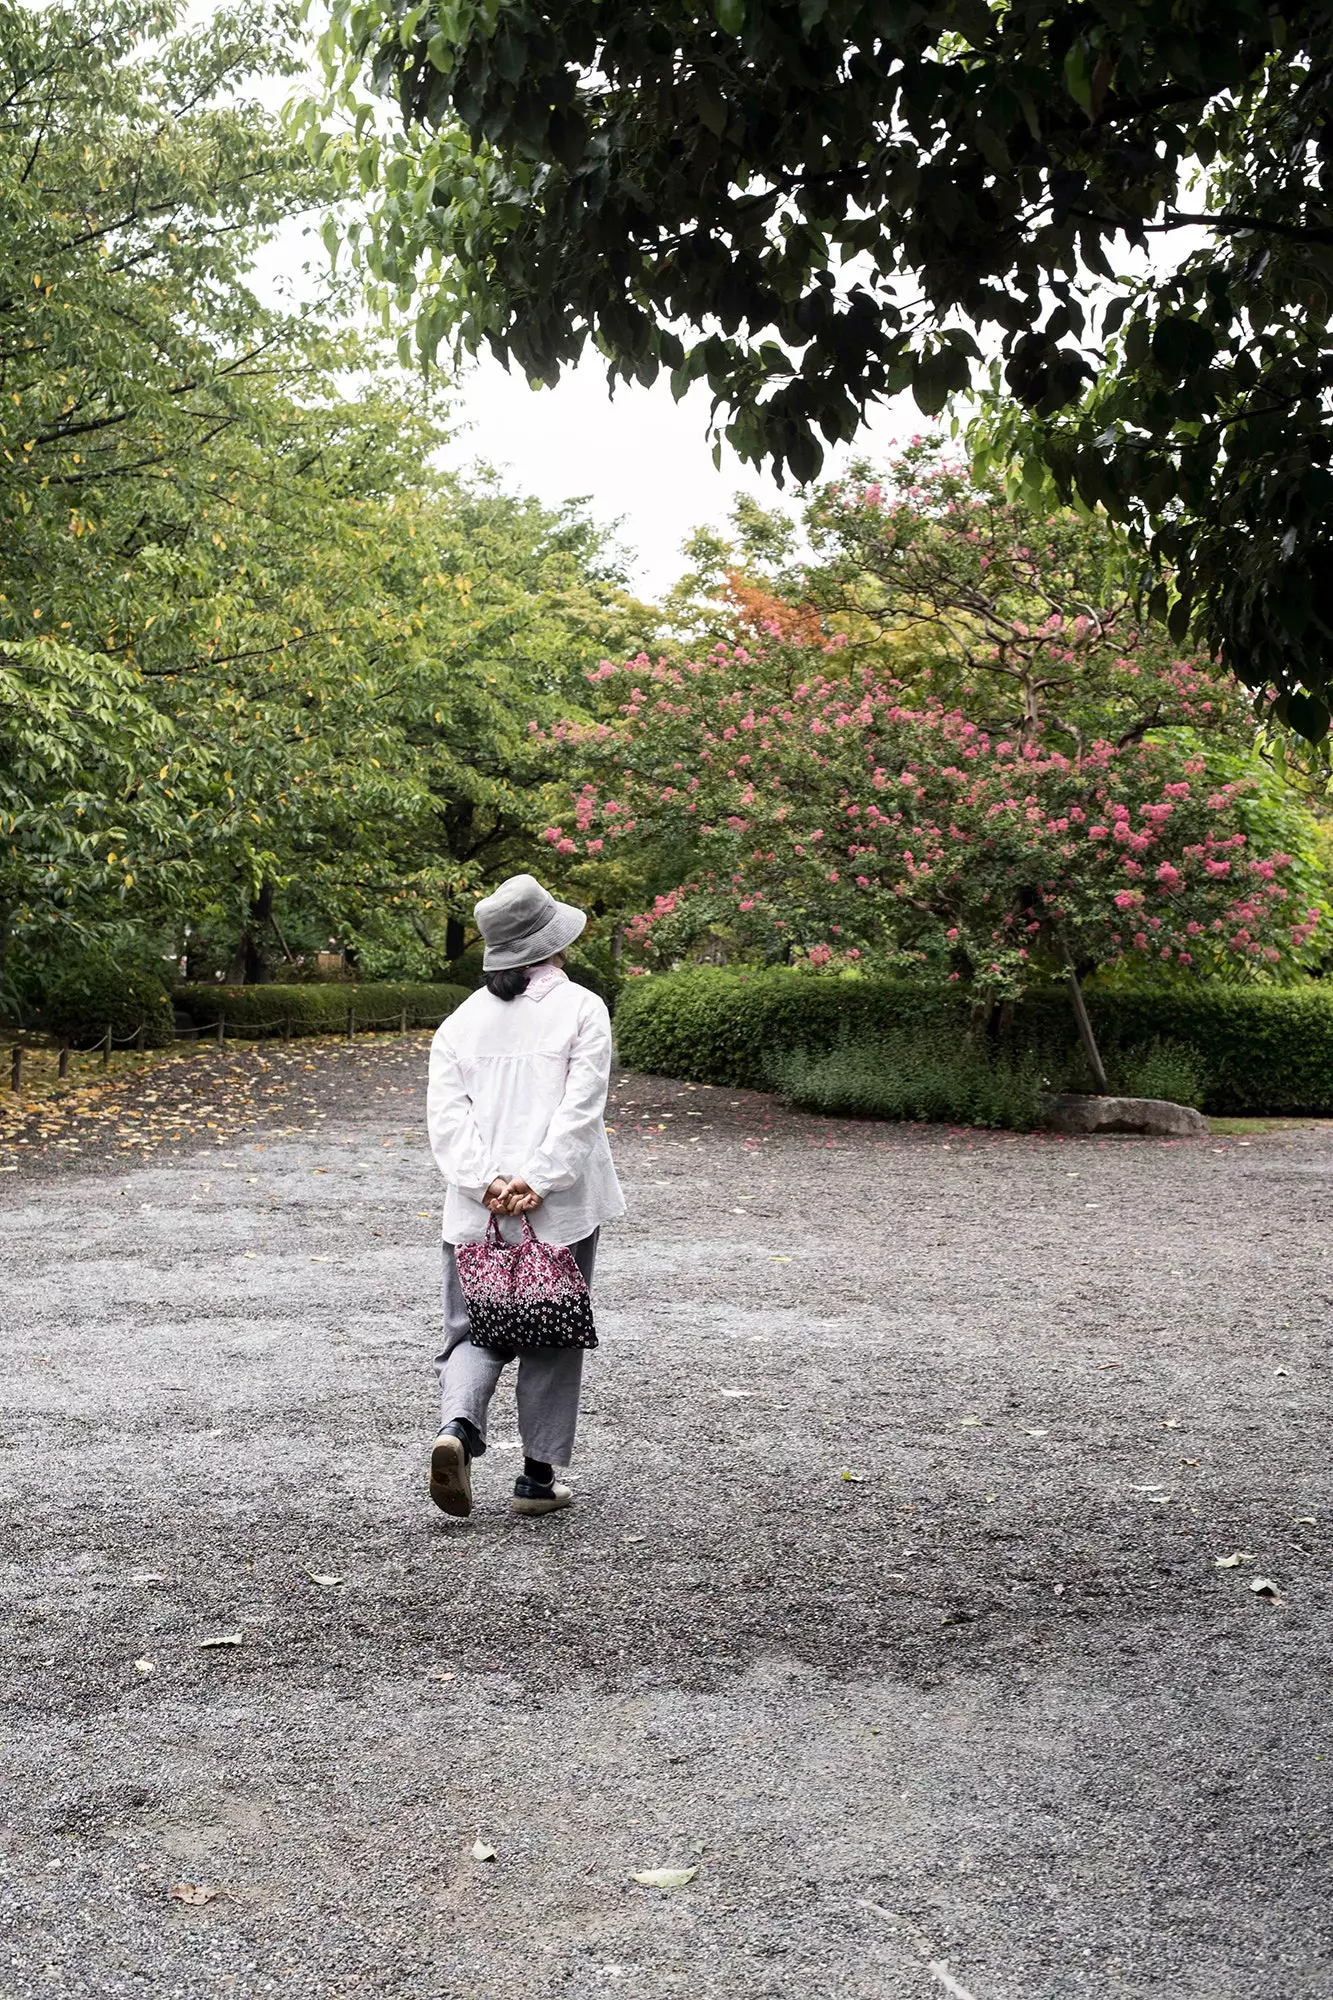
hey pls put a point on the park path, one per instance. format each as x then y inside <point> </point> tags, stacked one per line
<point>890,1602</point>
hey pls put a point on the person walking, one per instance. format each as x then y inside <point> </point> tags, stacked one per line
<point>516,1113</point>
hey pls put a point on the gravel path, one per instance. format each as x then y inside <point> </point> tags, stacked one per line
<point>890,1603</point>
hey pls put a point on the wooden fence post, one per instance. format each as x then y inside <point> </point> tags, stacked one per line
<point>106,1046</point>
<point>141,1038</point>
<point>404,1023</point>
<point>286,1027</point>
<point>351,1022</point>
<point>62,1066</point>
<point>16,1068</point>
<point>222,1030</point>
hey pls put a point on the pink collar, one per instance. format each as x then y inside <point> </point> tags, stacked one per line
<point>543,979</point>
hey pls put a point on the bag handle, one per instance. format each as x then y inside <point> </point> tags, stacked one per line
<point>494,1236</point>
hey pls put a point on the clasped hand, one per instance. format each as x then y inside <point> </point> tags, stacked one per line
<point>511,1197</point>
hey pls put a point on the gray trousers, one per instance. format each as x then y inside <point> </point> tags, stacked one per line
<point>549,1378</point>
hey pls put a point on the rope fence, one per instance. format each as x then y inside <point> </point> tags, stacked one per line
<point>283,1025</point>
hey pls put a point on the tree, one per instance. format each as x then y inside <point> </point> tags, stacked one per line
<point>224,513</point>
<point>1024,619</point>
<point>815,204</point>
<point>830,820</point>
<point>137,181</point>
<point>89,836</point>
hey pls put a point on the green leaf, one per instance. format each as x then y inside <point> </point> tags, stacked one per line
<point>1078,76</point>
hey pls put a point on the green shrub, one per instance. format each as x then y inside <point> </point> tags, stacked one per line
<point>1241,1049</point>
<point>1163,1069</point>
<point>317,1009</point>
<point>914,1075</point>
<point>84,995</point>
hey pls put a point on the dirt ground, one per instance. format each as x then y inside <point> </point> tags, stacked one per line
<point>891,1604</point>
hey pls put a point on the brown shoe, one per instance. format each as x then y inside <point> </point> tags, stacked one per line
<point>450,1476</point>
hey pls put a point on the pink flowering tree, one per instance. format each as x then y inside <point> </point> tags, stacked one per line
<point>825,816</point>
<point>1025,620</point>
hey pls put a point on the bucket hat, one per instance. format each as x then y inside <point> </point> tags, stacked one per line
<point>522,923</point>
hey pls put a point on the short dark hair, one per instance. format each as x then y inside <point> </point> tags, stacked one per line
<point>507,985</point>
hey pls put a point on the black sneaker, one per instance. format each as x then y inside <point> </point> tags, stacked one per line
<point>451,1476</point>
<point>539,1496</point>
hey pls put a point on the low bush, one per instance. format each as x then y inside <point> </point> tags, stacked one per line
<point>317,1009</point>
<point>912,1075</point>
<point>84,995</point>
<point>1163,1069</point>
<point>1235,1049</point>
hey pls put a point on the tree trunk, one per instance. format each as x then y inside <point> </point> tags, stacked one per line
<point>249,967</point>
<point>1086,1036</point>
<point>261,914</point>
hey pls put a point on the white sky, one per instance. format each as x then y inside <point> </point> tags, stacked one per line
<point>638,458</point>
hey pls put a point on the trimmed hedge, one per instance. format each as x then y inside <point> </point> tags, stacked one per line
<point>84,996</point>
<point>317,1009</point>
<point>1257,1049</point>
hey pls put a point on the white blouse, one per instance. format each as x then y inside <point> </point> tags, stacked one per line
<point>519,1087</point>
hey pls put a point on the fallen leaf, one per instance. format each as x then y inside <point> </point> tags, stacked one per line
<point>191,1892</point>
<point>1303,1520</point>
<point>736,1392</point>
<point>779,1260</point>
<point>145,1668</point>
<point>1280,1371</point>
<point>665,1878</point>
<point>1234,1560</point>
<point>1263,1586</point>
<point>855,1478</point>
<point>1036,1434</point>
<point>324,1582</point>
<point>436,1675</point>
<point>969,1423</point>
<point>223,1639</point>
<point>1171,1424</point>
<point>480,1850</point>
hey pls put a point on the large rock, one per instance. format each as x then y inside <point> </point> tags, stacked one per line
<point>1148,1117</point>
